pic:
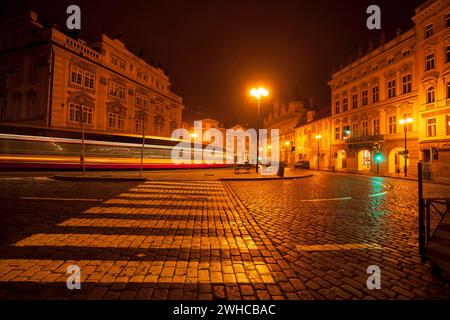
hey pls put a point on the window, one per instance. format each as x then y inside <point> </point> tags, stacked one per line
<point>354,130</point>
<point>391,88</point>
<point>407,52</point>
<point>431,127</point>
<point>354,101</point>
<point>365,128</point>
<point>429,62</point>
<point>77,75</point>
<point>138,125</point>
<point>448,90</point>
<point>390,60</point>
<point>75,113</point>
<point>447,20</point>
<point>117,90</point>
<point>344,104</point>
<point>112,119</point>
<point>116,121</point>
<point>365,100</point>
<point>375,94</point>
<point>428,31</point>
<point>447,120</point>
<point>338,106</point>
<point>18,72</point>
<point>376,126</point>
<point>33,69</point>
<point>2,74</point>
<point>337,133</point>
<point>393,124</point>
<point>89,79</point>
<point>406,83</point>
<point>118,62</point>
<point>139,100</point>
<point>430,95</point>
<point>447,55</point>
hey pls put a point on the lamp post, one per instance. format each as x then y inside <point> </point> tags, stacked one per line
<point>83,150</point>
<point>258,93</point>
<point>318,137</point>
<point>405,122</point>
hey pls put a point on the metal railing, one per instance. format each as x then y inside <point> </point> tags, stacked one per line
<point>431,213</point>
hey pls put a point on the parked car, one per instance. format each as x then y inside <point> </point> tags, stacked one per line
<point>302,164</point>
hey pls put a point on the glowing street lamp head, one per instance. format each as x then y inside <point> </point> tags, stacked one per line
<point>287,143</point>
<point>258,93</point>
<point>407,120</point>
<point>193,135</point>
<point>318,137</point>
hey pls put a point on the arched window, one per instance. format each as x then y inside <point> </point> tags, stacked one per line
<point>430,95</point>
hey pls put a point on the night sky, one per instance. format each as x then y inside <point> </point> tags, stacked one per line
<point>214,51</point>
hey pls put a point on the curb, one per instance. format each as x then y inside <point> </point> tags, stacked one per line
<point>265,179</point>
<point>385,176</point>
<point>98,178</point>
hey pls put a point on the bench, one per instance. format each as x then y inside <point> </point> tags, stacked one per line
<point>239,167</point>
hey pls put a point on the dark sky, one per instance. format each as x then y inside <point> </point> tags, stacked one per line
<point>214,51</point>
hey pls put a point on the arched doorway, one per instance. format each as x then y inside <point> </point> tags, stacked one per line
<point>341,160</point>
<point>397,161</point>
<point>364,160</point>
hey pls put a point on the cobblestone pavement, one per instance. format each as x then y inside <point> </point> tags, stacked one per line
<point>331,227</point>
<point>192,239</point>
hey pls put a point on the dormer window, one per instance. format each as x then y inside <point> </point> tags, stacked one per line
<point>428,31</point>
<point>390,60</point>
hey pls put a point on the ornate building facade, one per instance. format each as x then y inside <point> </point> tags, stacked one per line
<point>285,117</point>
<point>432,26</point>
<point>48,78</point>
<point>398,90</point>
<point>312,139</point>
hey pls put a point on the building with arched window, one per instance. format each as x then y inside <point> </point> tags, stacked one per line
<point>53,79</point>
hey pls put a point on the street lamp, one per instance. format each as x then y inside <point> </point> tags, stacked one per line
<point>405,122</point>
<point>258,93</point>
<point>318,137</point>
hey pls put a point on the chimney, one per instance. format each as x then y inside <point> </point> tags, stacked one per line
<point>310,115</point>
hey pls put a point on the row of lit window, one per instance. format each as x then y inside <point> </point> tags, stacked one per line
<point>78,113</point>
<point>118,62</point>
<point>391,93</point>
<point>353,130</point>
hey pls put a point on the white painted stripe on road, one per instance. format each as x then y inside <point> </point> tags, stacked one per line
<point>329,199</point>
<point>377,194</point>
<point>332,247</point>
<point>162,212</point>
<point>61,199</point>
<point>142,224</point>
<point>82,240</point>
<point>158,271</point>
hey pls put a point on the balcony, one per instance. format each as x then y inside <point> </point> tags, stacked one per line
<point>365,139</point>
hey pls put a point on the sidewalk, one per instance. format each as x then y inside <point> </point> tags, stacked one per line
<point>226,174</point>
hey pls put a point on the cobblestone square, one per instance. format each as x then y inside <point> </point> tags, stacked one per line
<point>309,238</point>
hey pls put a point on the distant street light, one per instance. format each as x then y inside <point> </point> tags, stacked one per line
<point>405,122</point>
<point>258,93</point>
<point>318,137</point>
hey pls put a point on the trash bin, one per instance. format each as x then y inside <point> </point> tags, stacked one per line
<point>280,171</point>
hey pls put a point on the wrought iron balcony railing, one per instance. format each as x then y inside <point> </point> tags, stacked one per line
<point>366,138</point>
